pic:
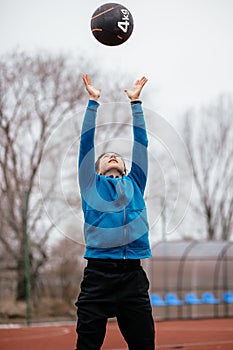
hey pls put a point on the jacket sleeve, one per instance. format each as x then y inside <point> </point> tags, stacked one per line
<point>86,162</point>
<point>139,166</point>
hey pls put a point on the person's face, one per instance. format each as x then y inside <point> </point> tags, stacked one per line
<point>111,161</point>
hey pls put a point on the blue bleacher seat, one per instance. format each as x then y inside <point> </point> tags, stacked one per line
<point>156,300</point>
<point>172,299</point>
<point>192,299</point>
<point>227,297</point>
<point>209,298</point>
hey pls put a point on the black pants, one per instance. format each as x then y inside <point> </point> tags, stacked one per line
<point>114,289</point>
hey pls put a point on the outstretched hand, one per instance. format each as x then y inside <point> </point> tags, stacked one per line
<point>93,92</point>
<point>134,92</point>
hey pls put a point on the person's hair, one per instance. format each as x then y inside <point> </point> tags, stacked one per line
<point>97,163</point>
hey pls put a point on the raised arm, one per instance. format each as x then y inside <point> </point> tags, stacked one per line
<point>87,151</point>
<point>139,155</point>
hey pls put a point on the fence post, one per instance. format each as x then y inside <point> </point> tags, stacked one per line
<point>27,259</point>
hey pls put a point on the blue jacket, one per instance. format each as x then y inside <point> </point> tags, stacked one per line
<point>116,225</point>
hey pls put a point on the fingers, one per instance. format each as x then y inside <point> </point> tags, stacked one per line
<point>143,81</point>
<point>86,79</point>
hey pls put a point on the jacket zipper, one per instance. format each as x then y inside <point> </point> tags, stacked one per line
<point>124,232</point>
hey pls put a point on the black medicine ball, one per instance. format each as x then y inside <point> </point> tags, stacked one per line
<point>112,24</point>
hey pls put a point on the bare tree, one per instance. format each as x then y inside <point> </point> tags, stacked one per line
<point>36,94</point>
<point>209,138</point>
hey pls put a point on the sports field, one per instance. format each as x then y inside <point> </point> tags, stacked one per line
<point>212,334</point>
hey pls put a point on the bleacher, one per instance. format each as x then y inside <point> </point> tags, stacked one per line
<point>191,279</point>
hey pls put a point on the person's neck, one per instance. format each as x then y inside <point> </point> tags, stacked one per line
<point>113,173</point>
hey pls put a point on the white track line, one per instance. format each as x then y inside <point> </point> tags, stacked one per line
<point>35,325</point>
<point>184,345</point>
<point>197,329</point>
<point>177,346</point>
<point>53,333</point>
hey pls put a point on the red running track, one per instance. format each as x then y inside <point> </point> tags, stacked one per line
<point>213,334</point>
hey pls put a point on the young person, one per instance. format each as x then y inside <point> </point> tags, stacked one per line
<point>116,234</point>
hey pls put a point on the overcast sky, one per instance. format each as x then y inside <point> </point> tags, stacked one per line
<point>184,47</point>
